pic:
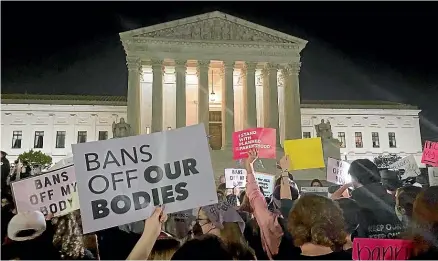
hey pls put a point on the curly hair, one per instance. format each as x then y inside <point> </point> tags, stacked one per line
<point>68,235</point>
<point>318,220</point>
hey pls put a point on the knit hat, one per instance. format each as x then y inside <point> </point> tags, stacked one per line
<point>223,212</point>
<point>33,220</point>
<point>364,171</point>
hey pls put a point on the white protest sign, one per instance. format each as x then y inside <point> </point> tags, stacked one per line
<point>337,171</point>
<point>52,192</point>
<point>433,176</point>
<point>235,178</point>
<point>266,181</point>
<point>322,191</point>
<point>122,180</point>
<point>409,164</point>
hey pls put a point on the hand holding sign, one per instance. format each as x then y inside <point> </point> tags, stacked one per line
<point>285,162</point>
<point>253,154</point>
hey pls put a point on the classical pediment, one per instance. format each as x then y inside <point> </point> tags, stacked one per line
<point>215,26</point>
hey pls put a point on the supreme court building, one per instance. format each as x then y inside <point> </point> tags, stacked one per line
<point>216,69</point>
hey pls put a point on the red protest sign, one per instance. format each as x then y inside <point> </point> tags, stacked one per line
<point>381,249</point>
<point>262,138</point>
<point>430,153</point>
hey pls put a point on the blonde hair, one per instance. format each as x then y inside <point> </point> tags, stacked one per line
<point>164,249</point>
<point>68,235</point>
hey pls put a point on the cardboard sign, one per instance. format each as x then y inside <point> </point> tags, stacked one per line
<point>306,153</point>
<point>409,164</point>
<point>122,180</point>
<point>430,153</point>
<point>322,191</point>
<point>433,176</point>
<point>381,249</point>
<point>52,192</point>
<point>337,171</point>
<point>235,178</point>
<point>266,181</point>
<point>262,138</point>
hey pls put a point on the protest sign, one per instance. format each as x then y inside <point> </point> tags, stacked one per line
<point>433,176</point>
<point>306,153</point>
<point>262,138</point>
<point>337,171</point>
<point>409,164</point>
<point>179,223</point>
<point>381,249</point>
<point>430,153</point>
<point>266,181</point>
<point>235,178</point>
<point>53,192</point>
<point>322,191</point>
<point>122,180</point>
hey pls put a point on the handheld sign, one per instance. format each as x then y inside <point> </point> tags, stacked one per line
<point>337,171</point>
<point>235,178</point>
<point>381,249</point>
<point>409,164</point>
<point>266,181</point>
<point>306,153</point>
<point>53,192</point>
<point>433,176</point>
<point>122,180</point>
<point>322,191</point>
<point>262,138</point>
<point>430,153</point>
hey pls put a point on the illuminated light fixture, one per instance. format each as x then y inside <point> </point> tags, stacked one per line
<point>148,130</point>
<point>212,94</point>
<point>169,128</point>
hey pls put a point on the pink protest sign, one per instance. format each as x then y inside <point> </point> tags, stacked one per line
<point>262,138</point>
<point>381,249</point>
<point>430,153</point>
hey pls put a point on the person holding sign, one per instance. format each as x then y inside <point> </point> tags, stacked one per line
<point>271,224</point>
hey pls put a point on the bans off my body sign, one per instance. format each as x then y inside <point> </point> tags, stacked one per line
<point>121,180</point>
<point>53,192</point>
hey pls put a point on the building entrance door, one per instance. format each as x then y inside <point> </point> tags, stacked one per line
<point>215,130</point>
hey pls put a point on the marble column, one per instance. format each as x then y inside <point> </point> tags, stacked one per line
<point>265,98</point>
<point>157,94</point>
<point>249,96</point>
<point>203,94</point>
<point>227,105</point>
<point>180,73</point>
<point>292,105</point>
<point>133,101</point>
<point>273,100</point>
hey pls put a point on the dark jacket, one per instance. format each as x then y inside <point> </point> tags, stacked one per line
<point>379,210</point>
<point>6,168</point>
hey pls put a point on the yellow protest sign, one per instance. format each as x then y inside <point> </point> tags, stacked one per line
<point>304,153</point>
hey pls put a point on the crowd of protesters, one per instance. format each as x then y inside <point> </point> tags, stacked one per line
<point>243,225</point>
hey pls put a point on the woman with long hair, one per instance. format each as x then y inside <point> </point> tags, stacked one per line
<point>424,225</point>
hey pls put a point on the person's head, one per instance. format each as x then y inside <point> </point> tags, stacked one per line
<point>351,212</point>
<point>317,220</point>
<point>68,235</point>
<point>364,172</point>
<point>3,154</point>
<point>164,249</point>
<point>390,180</point>
<point>425,220</point>
<point>404,201</point>
<point>322,121</point>
<point>222,179</point>
<point>222,220</point>
<point>316,183</point>
<point>25,163</point>
<point>205,247</point>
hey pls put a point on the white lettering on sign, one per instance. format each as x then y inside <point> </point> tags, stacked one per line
<point>122,180</point>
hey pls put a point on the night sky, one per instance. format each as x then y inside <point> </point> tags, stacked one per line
<point>356,51</point>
